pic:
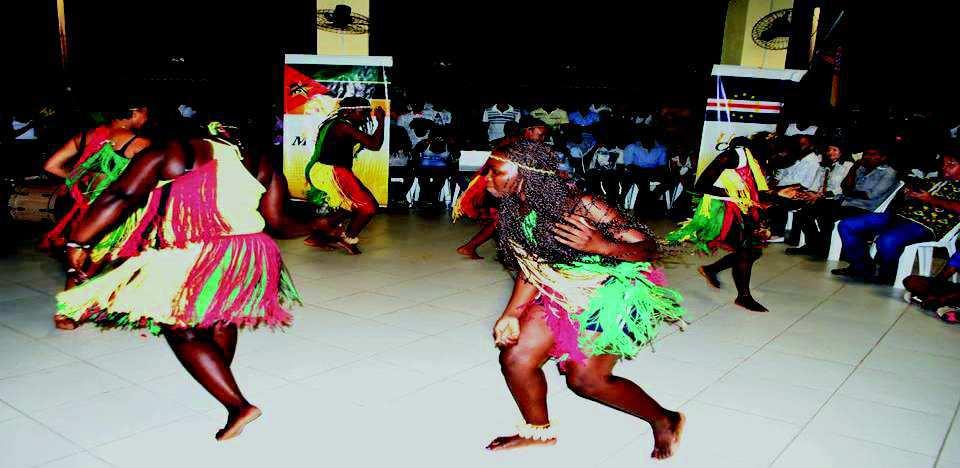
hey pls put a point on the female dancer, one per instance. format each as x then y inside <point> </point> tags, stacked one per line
<point>585,294</point>
<point>199,264</point>
<point>729,216</point>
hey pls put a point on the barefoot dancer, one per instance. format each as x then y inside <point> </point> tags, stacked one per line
<point>585,294</point>
<point>729,216</point>
<point>339,141</point>
<point>199,263</point>
<point>476,203</point>
<point>89,162</point>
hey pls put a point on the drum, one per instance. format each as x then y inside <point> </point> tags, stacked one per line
<point>36,203</point>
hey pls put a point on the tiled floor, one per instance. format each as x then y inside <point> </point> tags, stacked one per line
<point>391,364</point>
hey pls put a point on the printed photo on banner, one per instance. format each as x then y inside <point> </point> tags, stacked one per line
<point>314,87</point>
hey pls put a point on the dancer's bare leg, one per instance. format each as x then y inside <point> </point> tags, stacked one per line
<point>521,365</point>
<point>594,380</point>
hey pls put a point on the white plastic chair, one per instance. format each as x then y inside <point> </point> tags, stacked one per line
<point>836,244</point>
<point>923,252</point>
<point>669,197</point>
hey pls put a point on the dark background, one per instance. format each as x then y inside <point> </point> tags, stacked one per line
<point>230,54</point>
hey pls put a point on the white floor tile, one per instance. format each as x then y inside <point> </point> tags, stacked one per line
<point>951,447</point>
<point>148,362</point>
<point>433,356</point>
<point>53,387</point>
<point>80,460</point>
<point>369,382</point>
<point>25,443</point>
<point>774,400</point>
<point>296,358</point>
<point>688,347</point>
<point>708,430</point>
<point>909,363</point>
<point>426,319</point>
<point>10,292</point>
<point>896,427</point>
<point>111,416</point>
<point>7,412</point>
<point>795,370</point>
<point>181,389</point>
<point>832,451</point>
<point>368,305</point>
<point>348,332</point>
<point>22,355</point>
<point>829,348</point>
<point>895,390</point>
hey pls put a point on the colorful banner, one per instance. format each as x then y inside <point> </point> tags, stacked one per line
<point>745,101</point>
<point>313,88</point>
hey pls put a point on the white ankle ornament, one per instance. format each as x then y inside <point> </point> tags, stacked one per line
<point>536,432</point>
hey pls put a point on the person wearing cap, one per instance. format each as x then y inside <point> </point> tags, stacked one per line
<point>332,183</point>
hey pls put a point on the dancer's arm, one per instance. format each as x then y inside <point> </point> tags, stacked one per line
<point>506,331</point>
<point>57,164</point>
<point>710,175</point>
<point>273,202</point>
<point>371,142</point>
<point>579,231</point>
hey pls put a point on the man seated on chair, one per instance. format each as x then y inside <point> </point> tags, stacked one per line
<point>434,161</point>
<point>930,210</point>
<point>645,161</point>
<point>852,189</point>
<point>937,294</point>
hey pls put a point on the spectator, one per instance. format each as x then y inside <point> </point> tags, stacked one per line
<point>841,199</point>
<point>434,161</point>
<point>554,118</point>
<point>930,211</point>
<point>417,122</point>
<point>937,294</point>
<point>585,119</point>
<point>645,161</point>
<point>603,176</point>
<point>496,117</point>
<point>440,117</point>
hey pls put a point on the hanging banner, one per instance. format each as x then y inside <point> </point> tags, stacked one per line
<point>744,101</point>
<point>314,85</point>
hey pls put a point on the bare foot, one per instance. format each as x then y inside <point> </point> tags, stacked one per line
<point>350,249</point>
<point>710,277</point>
<point>515,442</point>
<point>469,252</point>
<point>319,240</point>
<point>667,436</point>
<point>236,421</point>
<point>64,323</point>
<point>751,304</point>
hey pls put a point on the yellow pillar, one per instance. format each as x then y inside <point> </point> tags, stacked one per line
<point>738,45</point>
<point>333,43</point>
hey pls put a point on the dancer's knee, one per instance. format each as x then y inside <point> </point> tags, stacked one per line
<point>515,359</point>
<point>583,382</point>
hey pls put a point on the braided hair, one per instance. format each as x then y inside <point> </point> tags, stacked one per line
<point>552,197</point>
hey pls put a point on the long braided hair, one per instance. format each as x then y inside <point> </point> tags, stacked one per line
<point>551,197</point>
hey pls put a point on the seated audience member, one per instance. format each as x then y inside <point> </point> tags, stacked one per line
<point>930,210</point>
<point>937,294</point>
<point>603,175</point>
<point>584,120</point>
<point>645,161</point>
<point>497,117</point>
<point>839,197</point>
<point>434,161</point>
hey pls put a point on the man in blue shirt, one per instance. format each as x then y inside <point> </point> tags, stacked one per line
<point>584,119</point>
<point>645,161</point>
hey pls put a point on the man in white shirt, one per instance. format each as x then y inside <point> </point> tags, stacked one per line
<point>418,111</point>
<point>496,117</point>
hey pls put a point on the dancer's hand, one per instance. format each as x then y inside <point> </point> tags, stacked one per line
<point>506,332</point>
<point>576,232</point>
<point>379,113</point>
